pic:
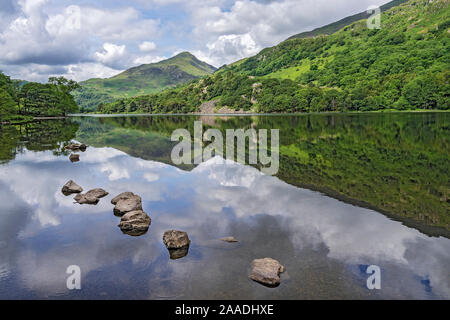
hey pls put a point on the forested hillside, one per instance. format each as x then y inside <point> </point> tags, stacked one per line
<point>405,65</point>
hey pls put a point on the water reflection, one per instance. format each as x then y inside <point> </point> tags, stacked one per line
<point>394,163</point>
<point>324,244</point>
<point>178,253</point>
<point>134,233</point>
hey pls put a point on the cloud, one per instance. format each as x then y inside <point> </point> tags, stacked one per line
<point>147,46</point>
<point>228,48</point>
<point>114,56</point>
<point>147,59</point>
<point>28,40</point>
<point>88,70</point>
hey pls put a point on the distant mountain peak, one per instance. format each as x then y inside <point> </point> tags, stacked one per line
<point>143,79</point>
<point>185,54</point>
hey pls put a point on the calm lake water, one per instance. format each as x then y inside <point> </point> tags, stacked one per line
<point>352,191</point>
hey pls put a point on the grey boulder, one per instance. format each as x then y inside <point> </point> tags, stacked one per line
<point>84,199</point>
<point>266,271</point>
<point>123,206</point>
<point>96,193</point>
<point>174,239</point>
<point>91,197</point>
<point>135,223</point>
<point>122,196</point>
<point>70,188</point>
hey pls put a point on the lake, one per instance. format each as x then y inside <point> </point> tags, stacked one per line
<point>352,190</point>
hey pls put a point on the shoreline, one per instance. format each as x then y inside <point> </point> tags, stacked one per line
<point>33,119</point>
<point>253,114</point>
<point>50,118</point>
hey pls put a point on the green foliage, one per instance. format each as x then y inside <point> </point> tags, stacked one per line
<point>7,105</point>
<point>8,95</point>
<point>50,99</point>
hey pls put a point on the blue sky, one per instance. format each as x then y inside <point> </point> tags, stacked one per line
<point>99,38</point>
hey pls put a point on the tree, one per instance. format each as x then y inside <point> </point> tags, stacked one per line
<point>48,99</point>
<point>64,84</point>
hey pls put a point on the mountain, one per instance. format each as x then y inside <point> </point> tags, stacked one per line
<point>336,26</point>
<point>144,79</point>
<point>405,65</point>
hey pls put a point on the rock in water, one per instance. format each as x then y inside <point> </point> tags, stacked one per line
<point>74,157</point>
<point>174,239</point>
<point>135,223</point>
<point>229,239</point>
<point>127,205</point>
<point>76,146</point>
<point>84,199</point>
<point>91,197</point>
<point>70,188</point>
<point>96,193</point>
<point>266,271</point>
<point>71,146</point>
<point>123,196</point>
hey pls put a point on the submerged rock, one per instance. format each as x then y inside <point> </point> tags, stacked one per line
<point>123,206</point>
<point>74,157</point>
<point>266,271</point>
<point>229,239</point>
<point>135,223</point>
<point>84,199</point>
<point>217,244</point>
<point>174,239</point>
<point>122,196</point>
<point>96,193</point>
<point>70,188</point>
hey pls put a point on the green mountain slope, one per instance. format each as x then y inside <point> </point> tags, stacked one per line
<point>144,79</point>
<point>336,26</point>
<point>403,66</point>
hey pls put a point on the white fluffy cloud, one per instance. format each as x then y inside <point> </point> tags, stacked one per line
<point>147,46</point>
<point>229,48</point>
<point>147,59</point>
<point>112,55</point>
